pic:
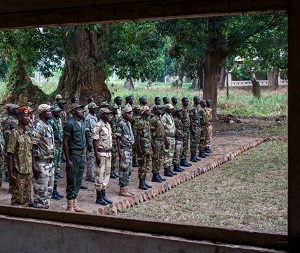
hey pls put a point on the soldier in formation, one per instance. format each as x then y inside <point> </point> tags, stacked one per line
<point>106,137</point>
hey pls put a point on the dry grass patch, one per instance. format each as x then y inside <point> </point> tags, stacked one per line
<point>249,192</point>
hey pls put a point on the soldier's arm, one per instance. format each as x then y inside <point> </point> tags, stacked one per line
<point>35,170</point>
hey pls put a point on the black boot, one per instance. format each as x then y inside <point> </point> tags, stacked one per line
<point>193,158</point>
<point>134,163</point>
<point>201,154</point>
<point>142,184</point>
<point>56,194</point>
<point>100,199</point>
<point>168,172</point>
<point>113,175</point>
<point>184,163</point>
<point>6,177</point>
<point>207,150</point>
<point>161,178</point>
<point>104,197</point>
<point>177,168</point>
<point>155,178</point>
<point>189,164</point>
<point>147,185</point>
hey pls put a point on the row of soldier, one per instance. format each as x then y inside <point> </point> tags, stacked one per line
<point>134,133</point>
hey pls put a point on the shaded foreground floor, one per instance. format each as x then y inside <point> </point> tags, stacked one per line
<point>224,149</point>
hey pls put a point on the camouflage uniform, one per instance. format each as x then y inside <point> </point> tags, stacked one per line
<point>135,123</point>
<point>90,122</point>
<point>20,146</point>
<point>158,134</point>
<point>63,117</point>
<point>194,113</point>
<point>103,134</point>
<point>56,125</point>
<point>204,125</point>
<point>9,124</point>
<point>114,150</point>
<point>124,132</point>
<point>178,140</point>
<point>1,155</point>
<point>186,132</point>
<point>145,143</point>
<point>169,126</point>
<point>209,134</point>
<point>44,142</point>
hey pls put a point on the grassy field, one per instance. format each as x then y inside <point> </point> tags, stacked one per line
<point>249,192</point>
<point>239,103</point>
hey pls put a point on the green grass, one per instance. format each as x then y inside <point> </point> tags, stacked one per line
<point>249,192</point>
<point>239,102</point>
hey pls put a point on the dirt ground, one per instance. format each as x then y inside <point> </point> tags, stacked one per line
<point>228,138</point>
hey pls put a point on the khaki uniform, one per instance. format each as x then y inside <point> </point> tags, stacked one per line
<point>209,135</point>
<point>20,146</point>
<point>114,149</point>
<point>178,141</point>
<point>103,135</point>
<point>204,125</point>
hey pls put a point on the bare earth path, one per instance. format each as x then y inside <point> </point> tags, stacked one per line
<point>225,148</point>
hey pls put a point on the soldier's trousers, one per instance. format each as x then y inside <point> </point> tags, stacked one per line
<point>114,151</point>
<point>57,160</point>
<point>102,172</point>
<point>169,153</point>
<point>74,177</point>
<point>209,137</point>
<point>20,196</point>
<point>194,141</point>
<point>144,165</point>
<point>185,143</point>
<point>125,166</point>
<point>177,151</point>
<point>90,172</point>
<point>203,138</point>
<point>43,186</point>
<point>158,155</point>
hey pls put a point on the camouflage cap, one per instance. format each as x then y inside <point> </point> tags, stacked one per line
<point>169,106</point>
<point>42,108</point>
<point>58,96</point>
<point>104,110</point>
<point>75,105</point>
<point>104,104</point>
<point>55,108</point>
<point>92,105</point>
<point>143,109</point>
<point>12,106</point>
<point>24,110</point>
<point>126,109</point>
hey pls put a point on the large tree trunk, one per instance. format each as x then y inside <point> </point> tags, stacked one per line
<point>222,77</point>
<point>255,86</point>
<point>81,75</point>
<point>214,56</point>
<point>20,88</point>
<point>273,79</point>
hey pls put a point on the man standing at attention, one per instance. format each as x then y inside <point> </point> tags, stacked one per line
<point>56,125</point>
<point>169,126</point>
<point>74,143</point>
<point>125,141</point>
<point>43,148</point>
<point>90,122</point>
<point>194,113</point>
<point>102,145</point>
<point>20,160</point>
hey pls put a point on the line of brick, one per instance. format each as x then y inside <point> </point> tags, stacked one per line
<point>188,174</point>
